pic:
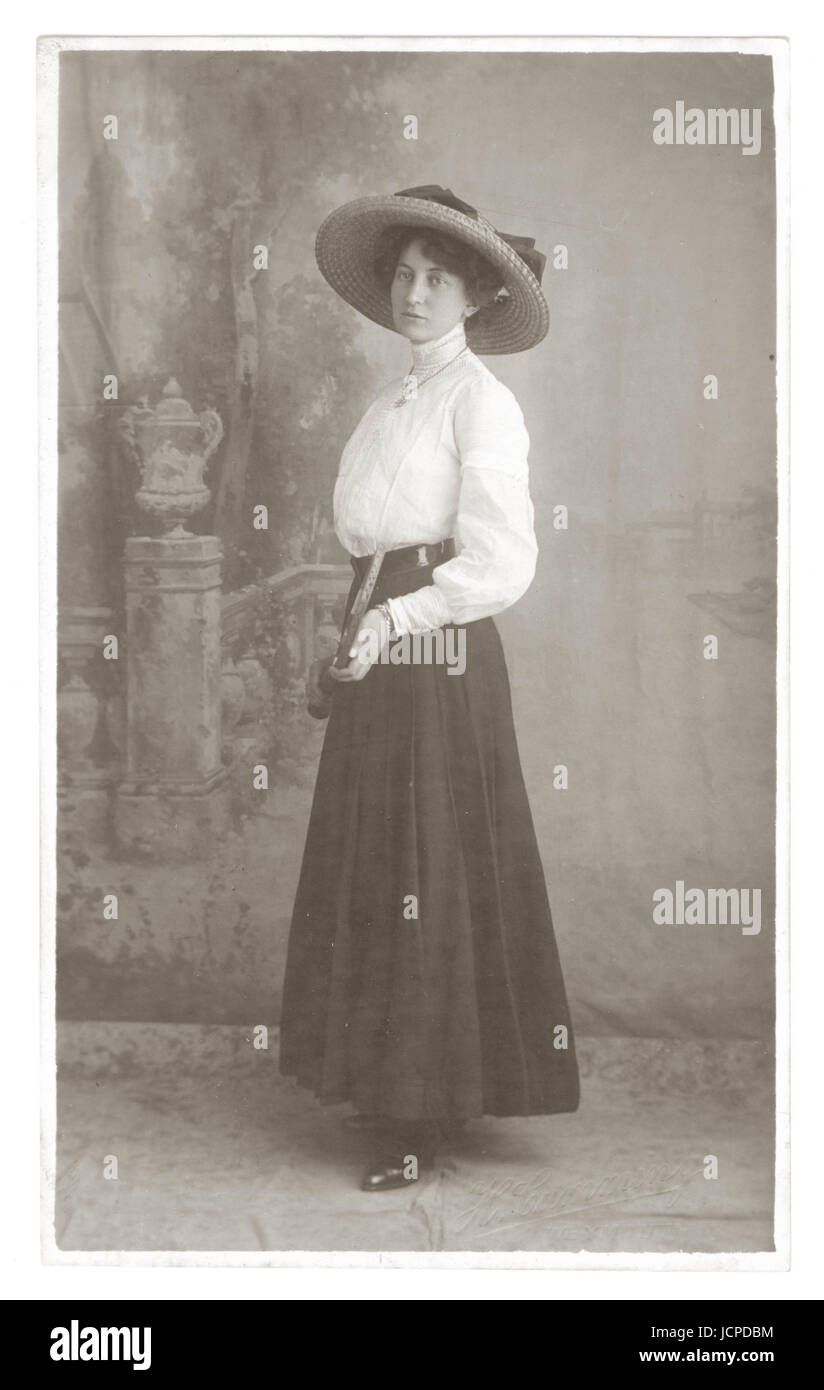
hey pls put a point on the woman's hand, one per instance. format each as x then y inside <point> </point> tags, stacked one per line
<point>372,637</point>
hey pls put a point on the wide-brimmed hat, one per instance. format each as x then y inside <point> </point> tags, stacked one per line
<point>347,243</point>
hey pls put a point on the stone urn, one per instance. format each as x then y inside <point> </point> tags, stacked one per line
<point>173,446</point>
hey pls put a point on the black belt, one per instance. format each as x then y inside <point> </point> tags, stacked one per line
<point>408,557</point>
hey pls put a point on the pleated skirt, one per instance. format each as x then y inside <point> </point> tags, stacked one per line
<point>422,978</point>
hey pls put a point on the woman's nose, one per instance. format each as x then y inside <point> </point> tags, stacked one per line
<point>414,294</point>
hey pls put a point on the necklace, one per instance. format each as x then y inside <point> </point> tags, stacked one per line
<point>411,382</point>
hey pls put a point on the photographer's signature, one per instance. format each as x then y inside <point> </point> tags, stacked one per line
<point>504,1202</point>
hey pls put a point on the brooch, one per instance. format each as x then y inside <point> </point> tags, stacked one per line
<point>411,382</point>
<point>409,389</point>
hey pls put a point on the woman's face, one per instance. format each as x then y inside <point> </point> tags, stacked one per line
<point>427,300</point>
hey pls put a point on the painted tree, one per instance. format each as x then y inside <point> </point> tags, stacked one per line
<point>265,146</point>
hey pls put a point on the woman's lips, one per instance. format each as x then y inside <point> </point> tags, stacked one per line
<point>408,315</point>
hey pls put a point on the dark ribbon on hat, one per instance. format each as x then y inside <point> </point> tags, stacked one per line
<point>523,246</point>
<point>433,193</point>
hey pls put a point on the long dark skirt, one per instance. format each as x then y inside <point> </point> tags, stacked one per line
<point>422,978</point>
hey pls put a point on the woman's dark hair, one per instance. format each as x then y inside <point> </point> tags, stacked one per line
<point>483,282</point>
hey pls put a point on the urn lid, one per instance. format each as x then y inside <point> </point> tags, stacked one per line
<point>172,406</point>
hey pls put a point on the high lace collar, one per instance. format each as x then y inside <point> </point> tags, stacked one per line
<point>428,356</point>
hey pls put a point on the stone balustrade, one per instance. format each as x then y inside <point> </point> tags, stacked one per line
<point>92,698</point>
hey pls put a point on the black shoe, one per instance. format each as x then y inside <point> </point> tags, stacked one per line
<point>394,1172</point>
<point>400,1162</point>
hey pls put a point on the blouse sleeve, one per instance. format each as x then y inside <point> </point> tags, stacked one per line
<point>494,531</point>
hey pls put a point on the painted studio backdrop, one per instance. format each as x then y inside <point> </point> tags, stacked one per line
<point>192,311</point>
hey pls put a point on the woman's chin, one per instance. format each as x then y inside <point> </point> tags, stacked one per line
<point>416,330</point>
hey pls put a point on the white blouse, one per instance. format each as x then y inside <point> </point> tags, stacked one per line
<point>450,461</point>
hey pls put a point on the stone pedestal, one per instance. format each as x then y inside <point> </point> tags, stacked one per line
<point>173,801</point>
<point>89,723</point>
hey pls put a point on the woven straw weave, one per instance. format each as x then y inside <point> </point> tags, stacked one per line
<point>345,250</point>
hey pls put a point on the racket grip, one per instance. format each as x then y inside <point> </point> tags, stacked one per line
<point>319,689</point>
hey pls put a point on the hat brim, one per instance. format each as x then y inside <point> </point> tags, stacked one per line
<point>346,246</point>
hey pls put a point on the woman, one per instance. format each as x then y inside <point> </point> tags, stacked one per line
<point>422,981</point>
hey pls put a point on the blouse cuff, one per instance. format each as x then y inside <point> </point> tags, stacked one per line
<point>421,611</point>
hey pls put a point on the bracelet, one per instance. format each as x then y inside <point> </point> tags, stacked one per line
<point>386,612</point>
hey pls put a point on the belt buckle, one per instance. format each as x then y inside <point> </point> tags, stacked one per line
<point>423,558</point>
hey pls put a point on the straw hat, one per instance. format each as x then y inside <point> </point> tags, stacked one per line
<point>347,242</point>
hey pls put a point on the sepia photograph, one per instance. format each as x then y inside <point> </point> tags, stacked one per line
<point>417,460</point>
